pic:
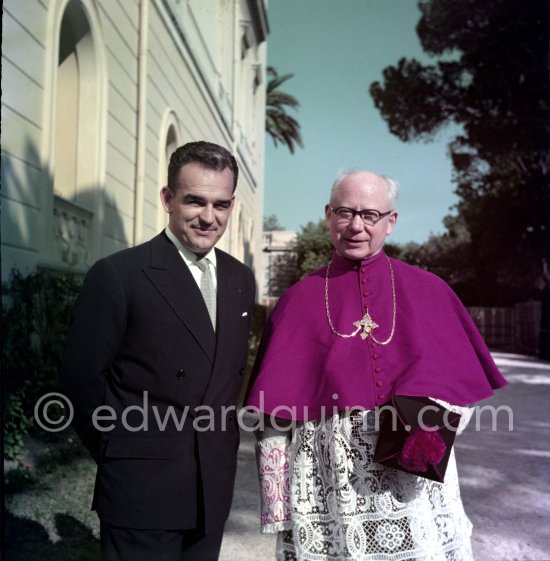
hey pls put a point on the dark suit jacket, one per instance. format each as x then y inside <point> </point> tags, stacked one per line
<point>140,325</point>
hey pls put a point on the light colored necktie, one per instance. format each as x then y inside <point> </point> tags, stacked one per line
<point>207,289</point>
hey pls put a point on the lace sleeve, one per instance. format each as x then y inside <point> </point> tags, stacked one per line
<point>273,467</point>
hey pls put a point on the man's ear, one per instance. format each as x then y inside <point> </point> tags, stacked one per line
<point>391,222</point>
<point>327,213</point>
<point>167,199</point>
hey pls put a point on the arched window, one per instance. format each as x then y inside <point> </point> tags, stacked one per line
<point>76,140</point>
<point>76,126</point>
<point>171,142</point>
<point>171,145</point>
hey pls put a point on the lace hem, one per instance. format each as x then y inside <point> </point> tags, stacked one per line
<point>276,528</point>
<point>345,507</point>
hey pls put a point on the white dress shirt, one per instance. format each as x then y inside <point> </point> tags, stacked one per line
<point>190,259</point>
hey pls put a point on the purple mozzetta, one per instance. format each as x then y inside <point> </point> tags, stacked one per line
<point>304,370</point>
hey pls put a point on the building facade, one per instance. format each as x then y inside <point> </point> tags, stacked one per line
<point>96,94</point>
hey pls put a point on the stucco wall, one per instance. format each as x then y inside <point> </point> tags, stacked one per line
<point>146,67</point>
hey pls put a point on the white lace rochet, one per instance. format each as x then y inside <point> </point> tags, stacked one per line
<point>330,502</point>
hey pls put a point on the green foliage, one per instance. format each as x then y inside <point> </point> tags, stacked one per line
<point>272,223</point>
<point>313,248</point>
<point>278,123</point>
<point>36,312</point>
<point>310,251</point>
<point>282,273</point>
<point>490,77</point>
<point>17,423</point>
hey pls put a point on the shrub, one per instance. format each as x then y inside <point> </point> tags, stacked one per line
<point>36,313</point>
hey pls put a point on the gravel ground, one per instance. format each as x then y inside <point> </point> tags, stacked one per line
<point>242,539</point>
<point>505,475</point>
<point>505,482</point>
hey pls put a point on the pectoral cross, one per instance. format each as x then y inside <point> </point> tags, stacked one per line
<point>367,324</point>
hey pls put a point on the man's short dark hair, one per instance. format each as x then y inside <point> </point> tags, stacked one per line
<point>207,154</point>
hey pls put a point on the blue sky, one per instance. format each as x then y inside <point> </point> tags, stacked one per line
<point>336,49</point>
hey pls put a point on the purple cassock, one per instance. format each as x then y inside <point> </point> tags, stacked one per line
<point>305,371</point>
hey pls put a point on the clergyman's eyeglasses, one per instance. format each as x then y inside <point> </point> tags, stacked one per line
<point>369,216</point>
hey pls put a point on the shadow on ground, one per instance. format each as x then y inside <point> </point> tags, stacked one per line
<point>26,540</point>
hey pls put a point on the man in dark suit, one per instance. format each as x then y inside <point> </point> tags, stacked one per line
<point>154,363</point>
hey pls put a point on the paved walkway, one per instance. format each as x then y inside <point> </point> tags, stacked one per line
<point>505,476</point>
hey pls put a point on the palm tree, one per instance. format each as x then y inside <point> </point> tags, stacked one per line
<point>278,124</point>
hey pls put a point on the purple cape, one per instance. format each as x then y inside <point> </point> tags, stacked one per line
<point>305,371</point>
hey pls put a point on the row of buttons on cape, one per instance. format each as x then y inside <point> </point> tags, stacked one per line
<point>378,382</point>
<point>375,356</point>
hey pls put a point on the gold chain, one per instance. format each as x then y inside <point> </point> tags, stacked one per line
<point>365,323</point>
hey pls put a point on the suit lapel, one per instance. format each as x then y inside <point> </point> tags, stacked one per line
<point>174,281</point>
